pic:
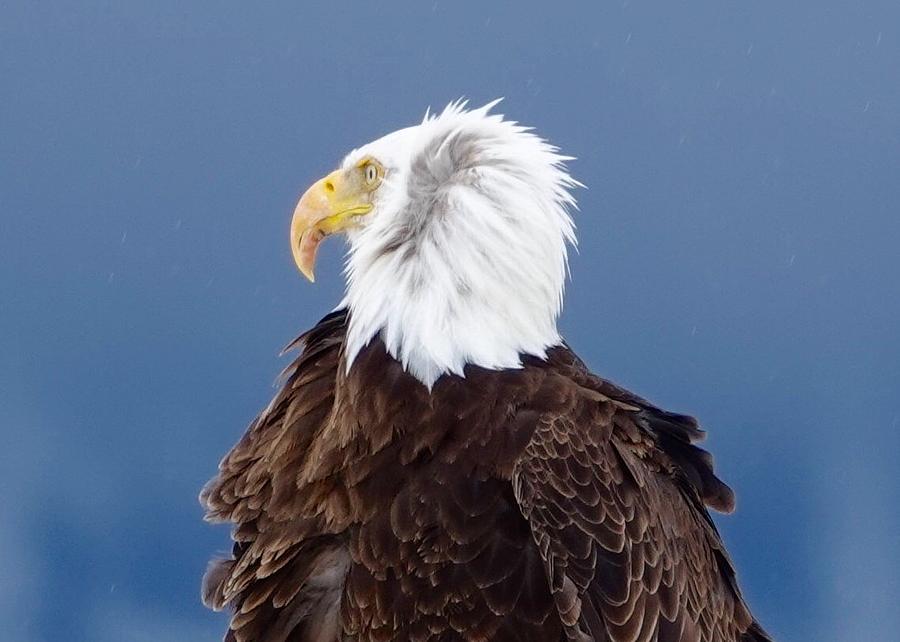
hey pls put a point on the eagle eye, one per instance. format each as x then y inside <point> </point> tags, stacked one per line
<point>371,173</point>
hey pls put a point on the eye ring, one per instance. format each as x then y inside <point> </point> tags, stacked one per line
<point>371,173</point>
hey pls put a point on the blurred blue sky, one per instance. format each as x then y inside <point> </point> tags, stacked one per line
<point>738,261</point>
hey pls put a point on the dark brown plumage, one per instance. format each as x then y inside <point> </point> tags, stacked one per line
<point>535,504</point>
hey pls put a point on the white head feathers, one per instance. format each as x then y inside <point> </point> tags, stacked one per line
<point>463,259</point>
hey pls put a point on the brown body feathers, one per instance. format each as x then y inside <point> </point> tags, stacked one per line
<point>536,504</point>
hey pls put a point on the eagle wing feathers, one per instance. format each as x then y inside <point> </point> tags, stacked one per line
<point>614,492</point>
<point>286,574</point>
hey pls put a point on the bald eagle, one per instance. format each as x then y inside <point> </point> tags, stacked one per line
<point>439,464</point>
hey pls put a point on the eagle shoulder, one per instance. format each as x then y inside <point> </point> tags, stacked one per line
<point>615,492</point>
<point>287,569</point>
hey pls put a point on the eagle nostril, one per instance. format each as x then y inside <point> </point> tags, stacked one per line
<point>329,186</point>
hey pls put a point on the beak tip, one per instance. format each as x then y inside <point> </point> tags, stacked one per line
<point>308,273</point>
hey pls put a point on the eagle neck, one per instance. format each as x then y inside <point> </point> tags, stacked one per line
<point>434,323</point>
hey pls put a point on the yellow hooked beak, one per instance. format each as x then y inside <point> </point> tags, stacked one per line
<point>331,205</point>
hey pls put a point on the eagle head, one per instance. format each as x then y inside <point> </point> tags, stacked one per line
<point>458,230</point>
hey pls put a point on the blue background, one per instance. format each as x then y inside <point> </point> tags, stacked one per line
<point>738,260</point>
